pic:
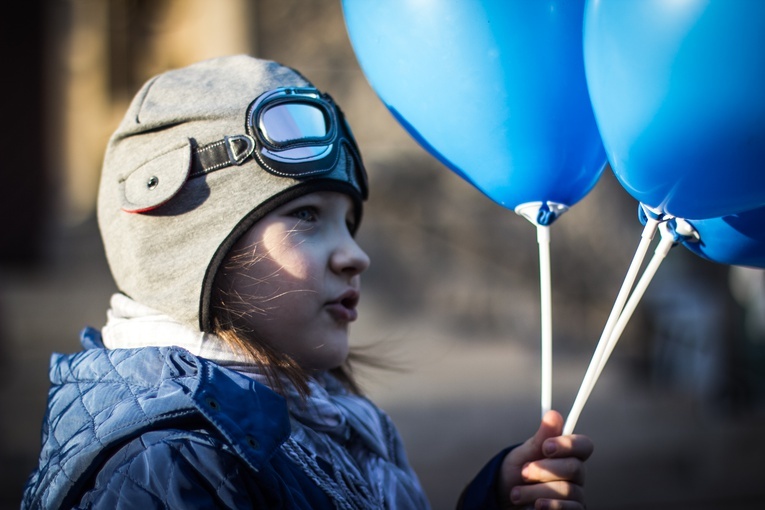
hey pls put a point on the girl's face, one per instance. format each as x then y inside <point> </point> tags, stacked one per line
<point>302,285</point>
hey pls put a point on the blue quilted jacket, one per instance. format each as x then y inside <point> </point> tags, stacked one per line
<point>160,428</point>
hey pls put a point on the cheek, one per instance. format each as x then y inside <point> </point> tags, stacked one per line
<point>295,264</point>
<point>295,268</point>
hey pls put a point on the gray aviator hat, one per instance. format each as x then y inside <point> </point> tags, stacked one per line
<point>202,154</point>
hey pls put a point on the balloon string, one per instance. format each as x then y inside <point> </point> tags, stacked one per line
<point>597,362</point>
<point>545,288</point>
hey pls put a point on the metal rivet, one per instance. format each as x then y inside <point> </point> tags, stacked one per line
<point>153,182</point>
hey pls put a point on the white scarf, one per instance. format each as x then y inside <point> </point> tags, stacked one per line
<point>332,427</point>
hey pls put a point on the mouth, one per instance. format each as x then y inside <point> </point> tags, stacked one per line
<point>343,309</point>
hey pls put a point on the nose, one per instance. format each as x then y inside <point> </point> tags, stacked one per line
<point>348,258</point>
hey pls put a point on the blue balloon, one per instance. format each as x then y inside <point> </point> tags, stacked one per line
<point>494,89</point>
<point>677,89</point>
<point>737,239</point>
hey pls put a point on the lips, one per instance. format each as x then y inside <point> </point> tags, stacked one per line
<point>343,309</point>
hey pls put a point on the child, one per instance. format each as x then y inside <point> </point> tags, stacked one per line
<point>228,204</point>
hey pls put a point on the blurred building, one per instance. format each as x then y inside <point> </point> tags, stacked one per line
<point>79,63</point>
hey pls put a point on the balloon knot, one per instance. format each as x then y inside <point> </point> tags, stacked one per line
<point>545,215</point>
<point>682,231</point>
<point>645,212</point>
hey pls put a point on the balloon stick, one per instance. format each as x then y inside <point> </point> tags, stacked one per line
<point>542,215</point>
<point>645,241</point>
<point>614,328</point>
<point>545,293</point>
<point>666,243</point>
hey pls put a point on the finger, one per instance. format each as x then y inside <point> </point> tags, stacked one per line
<point>556,504</point>
<point>551,491</point>
<point>577,446</point>
<point>551,426</point>
<point>569,469</point>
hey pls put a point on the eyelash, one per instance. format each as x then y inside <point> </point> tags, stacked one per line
<point>314,215</point>
<point>312,211</point>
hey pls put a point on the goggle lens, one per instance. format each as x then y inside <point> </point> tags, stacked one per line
<point>288,123</point>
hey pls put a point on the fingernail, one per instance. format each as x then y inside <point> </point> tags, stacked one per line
<point>549,448</point>
<point>515,495</point>
<point>544,504</point>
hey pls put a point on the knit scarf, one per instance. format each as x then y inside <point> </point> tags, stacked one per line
<point>343,442</point>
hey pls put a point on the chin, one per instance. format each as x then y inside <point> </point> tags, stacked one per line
<point>327,358</point>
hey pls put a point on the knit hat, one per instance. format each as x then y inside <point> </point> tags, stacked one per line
<point>193,166</point>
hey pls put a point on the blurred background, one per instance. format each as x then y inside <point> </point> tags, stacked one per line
<point>450,302</point>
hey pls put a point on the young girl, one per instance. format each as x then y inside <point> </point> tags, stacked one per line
<point>228,204</point>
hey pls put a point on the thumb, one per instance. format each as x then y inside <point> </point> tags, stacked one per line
<point>551,426</point>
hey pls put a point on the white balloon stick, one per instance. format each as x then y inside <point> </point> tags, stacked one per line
<point>531,211</point>
<point>666,243</point>
<point>545,294</point>
<point>593,370</point>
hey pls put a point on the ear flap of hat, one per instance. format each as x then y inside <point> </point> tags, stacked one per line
<point>156,181</point>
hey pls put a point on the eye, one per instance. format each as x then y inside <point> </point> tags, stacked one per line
<point>305,214</point>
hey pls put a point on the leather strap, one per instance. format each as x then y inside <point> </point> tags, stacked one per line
<point>232,150</point>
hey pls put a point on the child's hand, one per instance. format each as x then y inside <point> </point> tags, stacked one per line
<point>547,471</point>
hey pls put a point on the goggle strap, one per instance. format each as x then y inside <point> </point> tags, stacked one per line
<point>232,150</point>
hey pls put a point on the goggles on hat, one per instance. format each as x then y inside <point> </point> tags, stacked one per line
<point>291,132</point>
